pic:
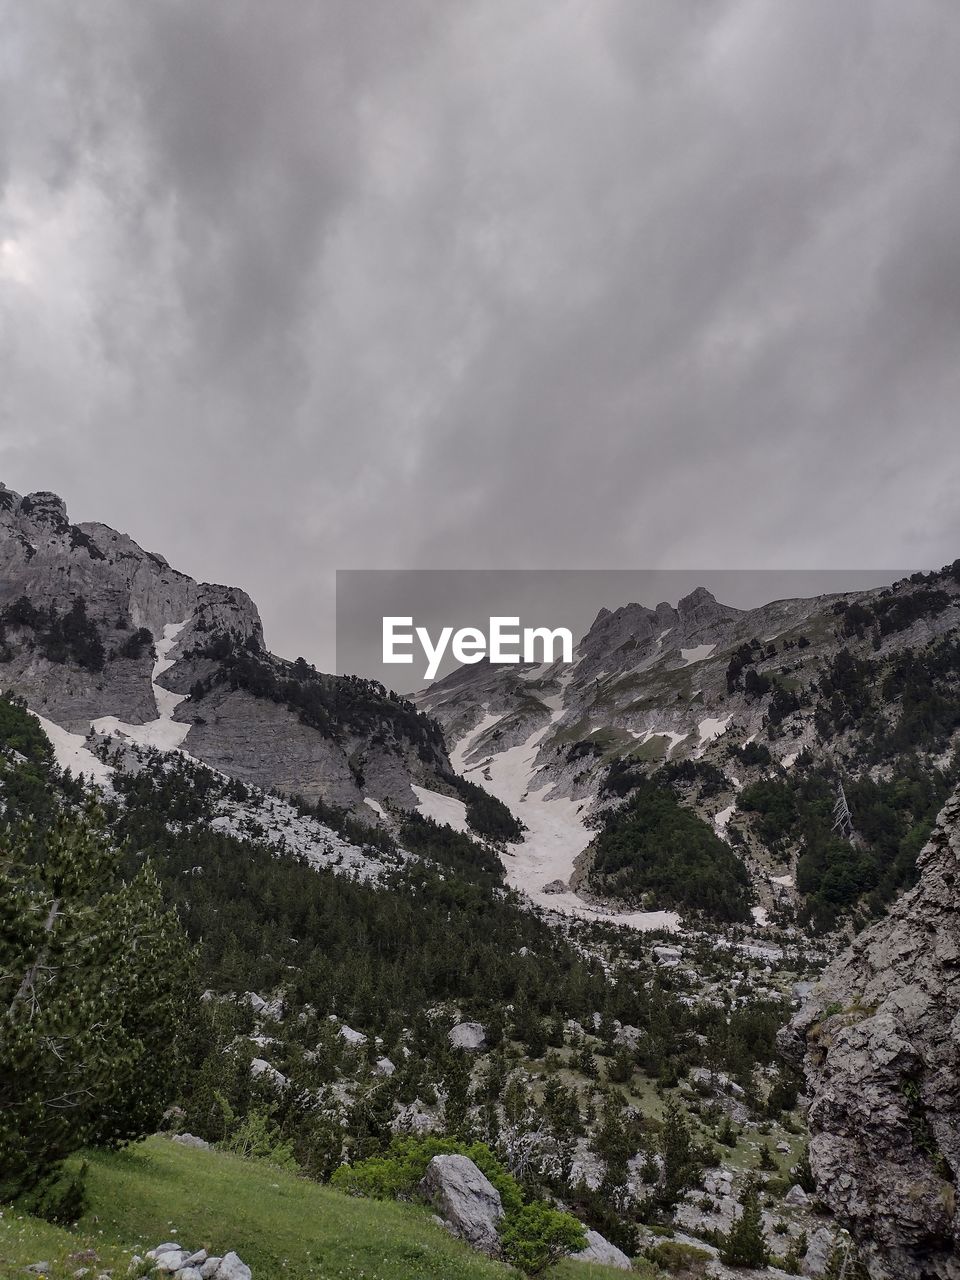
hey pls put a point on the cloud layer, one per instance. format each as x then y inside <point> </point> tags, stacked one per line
<point>558,283</point>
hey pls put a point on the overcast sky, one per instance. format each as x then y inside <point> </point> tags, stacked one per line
<point>293,286</point>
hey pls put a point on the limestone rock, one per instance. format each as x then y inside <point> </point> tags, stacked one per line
<point>600,1250</point>
<point>466,1200</point>
<point>260,1069</point>
<point>880,1045</point>
<point>191,1140</point>
<point>231,1268</point>
<point>468,1035</point>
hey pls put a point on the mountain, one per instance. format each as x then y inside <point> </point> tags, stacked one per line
<point>747,790</point>
<point>103,638</point>
<point>755,721</point>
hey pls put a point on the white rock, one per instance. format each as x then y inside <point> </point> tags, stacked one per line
<point>209,1268</point>
<point>231,1268</point>
<point>351,1036</point>
<point>384,1067</point>
<point>467,1201</point>
<point>260,1067</point>
<point>191,1140</point>
<point>601,1251</point>
<point>796,1196</point>
<point>467,1035</point>
<point>171,1260</point>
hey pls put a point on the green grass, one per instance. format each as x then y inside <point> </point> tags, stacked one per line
<point>281,1225</point>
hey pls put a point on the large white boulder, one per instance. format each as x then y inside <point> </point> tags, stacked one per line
<point>466,1200</point>
<point>468,1035</point>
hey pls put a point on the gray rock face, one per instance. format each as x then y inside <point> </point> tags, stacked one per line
<point>53,563</point>
<point>468,1203</point>
<point>600,1250</point>
<point>880,1044</point>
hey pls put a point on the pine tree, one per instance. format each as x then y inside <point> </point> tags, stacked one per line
<point>745,1244</point>
<point>677,1151</point>
<point>93,983</point>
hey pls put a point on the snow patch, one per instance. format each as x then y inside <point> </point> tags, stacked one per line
<point>556,829</point>
<point>71,752</point>
<point>375,805</point>
<point>648,734</point>
<point>441,808</point>
<point>723,817</point>
<point>711,728</point>
<point>696,654</point>
<point>164,733</point>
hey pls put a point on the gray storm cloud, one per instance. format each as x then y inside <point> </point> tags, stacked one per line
<point>548,283</point>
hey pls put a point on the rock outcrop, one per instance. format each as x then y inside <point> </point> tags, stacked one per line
<point>82,611</point>
<point>466,1200</point>
<point>880,1045</point>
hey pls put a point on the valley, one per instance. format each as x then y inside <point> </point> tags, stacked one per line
<point>569,918</point>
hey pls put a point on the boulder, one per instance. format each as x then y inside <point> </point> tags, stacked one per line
<point>170,1260</point>
<point>209,1268</point>
<point>191,1140</point>
<point>355,1038</point>
<point>600,1250</point>
<point>384,1067</point>
<point>797,1197</point>
<point>260,1068</point>
<point>468,1035</point>
<point>231,1268</point>
<point>629,1036</point>
<point>556,886</point>
<point>466,1200</point>
<point>188,1273</point>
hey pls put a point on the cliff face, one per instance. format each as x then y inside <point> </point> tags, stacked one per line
<point>51,563</point>
<point>880,1046</point>
<point>82,611</point>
